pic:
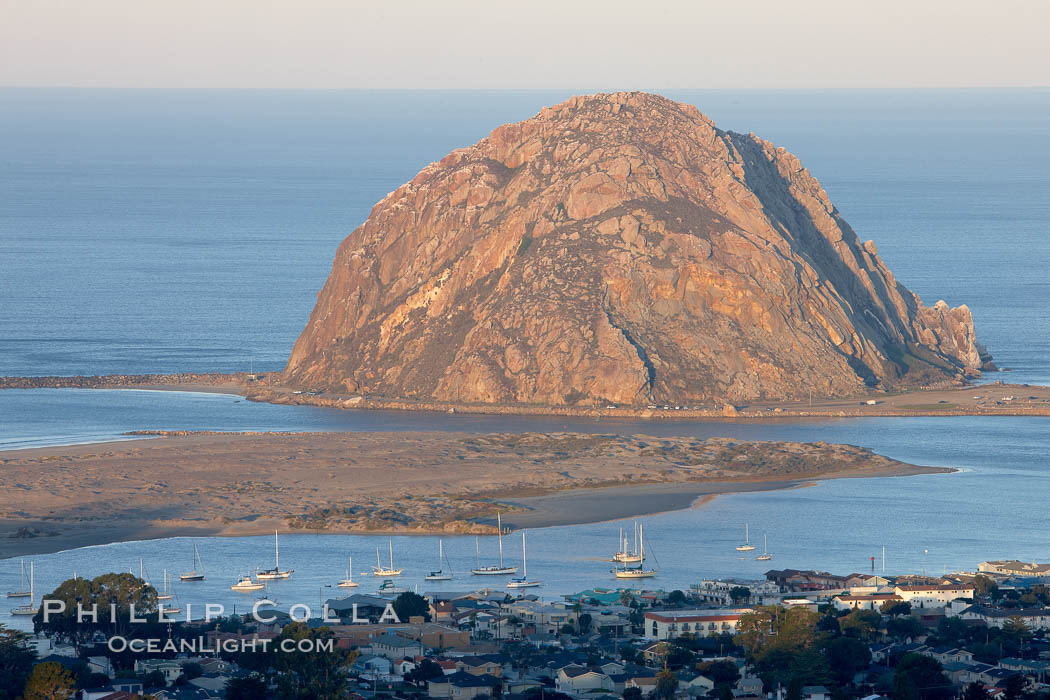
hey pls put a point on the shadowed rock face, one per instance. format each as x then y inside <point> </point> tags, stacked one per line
<point>619,248</point>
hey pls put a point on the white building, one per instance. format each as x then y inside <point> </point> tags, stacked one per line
<point>668,624</point>
<point>933,595</point>
<point>864,601</point>
<point>715,592</point>
<point>1012,567</point>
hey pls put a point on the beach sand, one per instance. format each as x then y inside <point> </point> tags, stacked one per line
<point>252,483</point>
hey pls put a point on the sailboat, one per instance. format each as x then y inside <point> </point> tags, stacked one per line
<point>21,592</point>
<point>198,568</point>
<point>166,594</point>
<point>246,584</point>
<point>378,569</point>
<point>29,608</point>
<point>625,556</point>
<point>493,570</point>
<point>275,572</point>
<point>765,555</point>
<point>523,580</point>
<point>638,571</point>
<point>440,574</point>
<point>747,546</point>
<point>349,581</point>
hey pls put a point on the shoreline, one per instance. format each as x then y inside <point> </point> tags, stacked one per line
<point>428,483</point>
<point>987,399</point>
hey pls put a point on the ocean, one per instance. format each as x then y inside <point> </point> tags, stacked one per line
<point>177,231</point>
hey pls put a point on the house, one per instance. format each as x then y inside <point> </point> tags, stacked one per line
<point>646,684</point>
<point>461,686</point>
<point>1035,618</point>
<point>715,592</point>
<point>487,664</point>
<point>394,646</point>
<point>815,692</point>
<point>117,686</point>
<point>872,601</point>
<point>545,617</point>
<point>577,680</point>
<point>1012,567</point>
<point>668,624</point>
<point>170,668</point>
<point>933,595</point>
<point>795,580</point>
<point>374,667</point>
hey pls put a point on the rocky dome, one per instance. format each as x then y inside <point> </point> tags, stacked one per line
<point>619,248</point>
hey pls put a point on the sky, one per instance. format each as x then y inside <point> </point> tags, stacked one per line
<point>496,44</point>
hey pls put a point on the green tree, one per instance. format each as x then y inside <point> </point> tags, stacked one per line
<point>192,670</point>
<point>16,662</point>
<point>425,671</point>
<point>310,675</point>
<point>1014,687</point>
<point>919,677</point>
<point>904,628</point>
<point>49,681</point>
<point>720,671</point>
<point>975,691</point>
<point>410,604</point>
<point>863,624</point>
<point>632,693</point>
<point>846,657</point>
<point>676,598</point>
<point>584,622</point>
<point>1015,630</point>
<point>103,593</point>
<point>246,688</point>
<point>739,594</point>
<point>984,586</point>
<point>666,684</point>
<point>154,679</point>
<point>893,608</point>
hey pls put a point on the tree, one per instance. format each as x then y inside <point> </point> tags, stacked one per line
<point>920,677</point>
<point>313,675</point>
<point>1014,687</point>
<point>410,604</point>
<point>192,670</point>
<point>738,594</point>
<point>154,679</point>
<point>49,681</point>
<point>1015,630</point>
<point>720,672</point>
<point>426,670</point>
<point>904,628</point>
<point>16,662</point>
<point>676,598</point>
<point>893,608</point>
<point>568,629</point>
<point>975,691</point>
<point>666,684</point>
<point>632,693</point>
<point>246,688</point>
<point>982,586</point>
<point>120,590</point>
<point>861,623</point>
<point>584,621</point>
<point>846,657</point>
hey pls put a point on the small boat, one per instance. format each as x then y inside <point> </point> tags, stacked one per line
<point>625,556</point>
<point>349,581</point>
<point>747,546</point>
<point>378,569</point>
<point>22,592</point>
<point>388,586</point>
<point>765,555</point>
<point>637,571</point>
<point>492,570</point>
<point>275,572</point>
<point>198,568</point>
<point>523,580</point>
<point>440,574</point>
<point>166,594</point>
<point>246,584</point>
<point>29,608</point>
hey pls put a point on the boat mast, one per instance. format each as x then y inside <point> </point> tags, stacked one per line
<point>499,526</point>
<point>524,566</point>
<point>276,553</point>
<point>391,543</point>
<point>477,552</point>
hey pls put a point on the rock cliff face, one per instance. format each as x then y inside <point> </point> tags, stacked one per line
<point>619,248</point>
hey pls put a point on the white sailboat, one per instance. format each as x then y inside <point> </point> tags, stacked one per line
<point>493,570</point>
<point>747,546</point>
<point>166,594</point>
<point>440,574</point>
<point>349,581</point>
<point>637,571</point>
<point>625,556</point>
<point>378,569</point>
<point>246,584</point>
<point>275,572</point>
<point>198,568</point>
<point>765,555</point>
<point>29,608</point>
<point>22,592</point>
<point>523,580</point>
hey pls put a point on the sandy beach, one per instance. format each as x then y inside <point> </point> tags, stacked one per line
<point>251,483</point>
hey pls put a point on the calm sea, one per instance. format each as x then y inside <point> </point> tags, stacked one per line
<point>167,231</point>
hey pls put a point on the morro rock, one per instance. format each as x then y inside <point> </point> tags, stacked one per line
<point>619,248</point>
